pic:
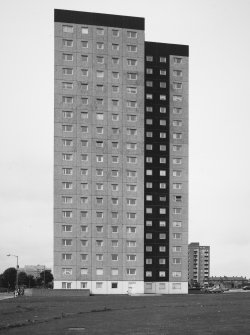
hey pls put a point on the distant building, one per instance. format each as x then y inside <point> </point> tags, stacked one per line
<point>198,263</point>
<point>229,282</point>
<point>34,270</point>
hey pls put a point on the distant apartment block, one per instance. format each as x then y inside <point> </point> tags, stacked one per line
<point>198,263</point>
<point>120,157</point>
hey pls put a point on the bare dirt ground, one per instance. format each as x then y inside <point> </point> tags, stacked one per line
<point>201,314</point>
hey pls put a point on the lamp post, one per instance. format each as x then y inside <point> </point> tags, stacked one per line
<point>17,267</point>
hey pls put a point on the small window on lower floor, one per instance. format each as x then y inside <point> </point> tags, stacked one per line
<point>83,284</point>
<point>114,285</point>
<point>66,285</point>
<point>99,285</point>
<point>176,286</point>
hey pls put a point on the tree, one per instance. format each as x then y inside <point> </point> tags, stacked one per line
<point>9,278</point>
<point>22,278</point>
<point>31,281</point>
<point>45,278</point>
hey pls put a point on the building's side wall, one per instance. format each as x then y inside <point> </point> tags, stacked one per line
<point>100,116</point>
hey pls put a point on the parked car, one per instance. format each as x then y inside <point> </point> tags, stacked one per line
<point>246,287</point>
<point>214,289</point>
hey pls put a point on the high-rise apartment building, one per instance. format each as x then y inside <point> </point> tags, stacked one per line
<point>121,148</point>
<point>198,263</point>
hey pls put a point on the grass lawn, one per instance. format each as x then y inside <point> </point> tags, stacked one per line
<point>201,314</point>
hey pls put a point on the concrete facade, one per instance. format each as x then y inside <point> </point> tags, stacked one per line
<point>198,263</point>
<point>99,153</point>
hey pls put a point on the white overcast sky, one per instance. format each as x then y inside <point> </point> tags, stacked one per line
<point>217,32</point>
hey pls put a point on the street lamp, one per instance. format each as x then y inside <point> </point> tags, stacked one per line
<point>17,267</point>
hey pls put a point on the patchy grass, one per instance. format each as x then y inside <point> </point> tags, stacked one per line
<point>226,314</point>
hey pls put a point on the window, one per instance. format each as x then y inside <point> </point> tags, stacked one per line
<point>114,229</point>
<point>114,257</point>
<point>115,103</point>
<point>115,75</point>
<point>162,261</point>
<point>132,62</point>
<point>68,57</point>
<point>149,83</point>
<point>176,210</point>
<point>84,271</point>
<point>68,29</point>
<point>131,146</point>
<point>163,110</point>
<point>85,101</point>
<point>177,186</point>
<point>131,118</point>
<point>148,260</point>
<point>177,73</point>
<point>163,147</point>
<point>115,159</point>
<point>99,257</point>
<point>148,273</point>
<point>163,59</point>
<point>132,90</point>
<point>149,71</point>
<point>114,187</point>
<point>84,129</point>
<point>115,32</point>
<point>176,260</point>
<point>163,135</point>
<point>99,130</point>
<point>131,188</point>
<point>67,157</point>
<point>115,61</point>
<point>84,229</point>
<point>177,110</point>
<point>83,285</point>
<point>100,45</point>
<point>176,173</point>
<point>84,115</point>
<point>115,47</point>
<point>67,143</point>
<point>163,185</point>
<point>132,76</point>
<point>149,159</point>
<point>177,224</point>
<point>99,201</point>
<point>149,96</point>
<point>177,60</point>
<point>163,122</point>
<point>100,74</point>
<point>177,198</point>
<point>67,185</point>
<point>131,230</point>
<point>68,171</point>
<point>67,200</point>
<point>67,43</point>
<point>85,44</point>
<point>176,274</point>
<point>149,197</point>
<point>67,242</point>
<point>99,285</point>
<point>149,223</point>
<point>114,201</point>
<point>115,89</point>
<point>99,229</point>
<point>131,131</point>
<point>67,214</point>
<point>177,161</point>
<point>149,134</point>
<point>114,173</point>
<point>67,100</point>
<point>149,109</point>
<point>67,71</point>
<point>176,249</point>
<point>162,236</point>
<point>177,136</point>
<point>115,117</point>
<point>131,272</point>
<point>99,215</point>
<point>149,210</point>
<point>100,59</point>
<point>131,216</point>
<point>84,157</point>
<point>132,160</point>
<point>131,34</point>
<point>84,214</point>
<point>163,84</point>
<point>149,185</point>
<point>149,248</point>
<point>85,30</point>
<point>162,274</point>
<point>162,248</point>
<point>114,272</point>
<point>149,236</point>
<point>100,87</point>
<point>67,114</point>
<point>176,236</point>
<point>163,72</point>
<point>162,223</point>
<point>163,173</point>
<point>66,257</point>
<point>100,31</point>
<point>84,172</point>
<point>99,243</point>
<point>67,271</point>
<point>177,86</point>
<point>131,48</point>
<point>131,173</point>
<point>162,211</point>
<point>84,72</point>
<point>66,285</point>
<point>131,202</point>
<point>163,97</point>
<point>114,243</point>
<point>84,58</point>
<point>149,172</point>
<point>84,86</point>
<point>84,186</point>
<point>114,215</point>
<point>149,58</point>
<point>177,98</point>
